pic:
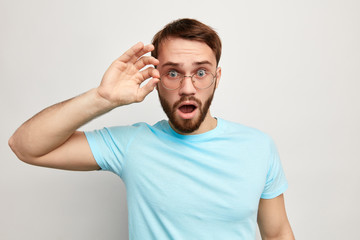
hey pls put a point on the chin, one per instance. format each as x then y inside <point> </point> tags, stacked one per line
<point>186,125</point>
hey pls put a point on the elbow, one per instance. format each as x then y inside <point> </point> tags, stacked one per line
<point>12,144</point>
<point>287,235</point>
<point>15,146</point>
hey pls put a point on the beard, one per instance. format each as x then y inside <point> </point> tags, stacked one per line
<point>186,125</point>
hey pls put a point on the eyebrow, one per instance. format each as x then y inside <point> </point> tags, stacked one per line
<point>202,63</point>
<point>172,64</point>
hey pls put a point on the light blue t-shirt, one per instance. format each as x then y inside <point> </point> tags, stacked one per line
<point>205,186</point>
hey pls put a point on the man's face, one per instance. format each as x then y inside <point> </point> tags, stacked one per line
<point>187,107</point>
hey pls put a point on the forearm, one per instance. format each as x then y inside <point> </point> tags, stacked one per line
<point>50,139</point>
<point>51,127</point>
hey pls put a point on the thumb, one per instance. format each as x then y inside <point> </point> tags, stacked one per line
<point>147,88</point>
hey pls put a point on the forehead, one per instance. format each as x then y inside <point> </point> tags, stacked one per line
<point>183,51</point>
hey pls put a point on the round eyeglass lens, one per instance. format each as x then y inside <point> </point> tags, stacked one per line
<point>203,79</point>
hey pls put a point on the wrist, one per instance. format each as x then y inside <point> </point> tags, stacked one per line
<point>99,104</point>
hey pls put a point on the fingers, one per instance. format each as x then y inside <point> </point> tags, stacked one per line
<point>129,54</point>
<point>147,88</point>
<point>135,52</point>
<point>147,60</point>
<point>146,49</point>
<point>150,73</point>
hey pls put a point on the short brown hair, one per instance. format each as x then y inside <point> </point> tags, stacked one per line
<point>190,29</point>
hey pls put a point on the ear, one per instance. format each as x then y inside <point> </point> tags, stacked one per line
<point>218,76</point>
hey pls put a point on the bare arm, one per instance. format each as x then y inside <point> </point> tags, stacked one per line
<point>50,138</point>
<point>272,220</point>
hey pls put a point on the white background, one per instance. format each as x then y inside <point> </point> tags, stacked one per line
<point>290,69</point>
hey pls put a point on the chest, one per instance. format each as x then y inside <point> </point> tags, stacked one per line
<point>210,180</point>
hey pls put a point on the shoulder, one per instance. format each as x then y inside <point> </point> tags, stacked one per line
<point>246,136</point>
<point>117,131</point>
<point>136,128</point>
<point>140,126</point>
<point>242,130</point>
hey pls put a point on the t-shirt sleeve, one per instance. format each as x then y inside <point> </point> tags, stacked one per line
<point>276,182</point>
<point>108,146</point>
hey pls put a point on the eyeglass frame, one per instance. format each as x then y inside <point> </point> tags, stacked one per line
<point>191,77</point>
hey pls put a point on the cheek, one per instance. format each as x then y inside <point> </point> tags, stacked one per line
<point>170,97</point>
<point>206,95</point>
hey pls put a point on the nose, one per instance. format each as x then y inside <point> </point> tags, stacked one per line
<point>187,86</point>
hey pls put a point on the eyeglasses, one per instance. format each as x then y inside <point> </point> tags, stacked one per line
<point>202,79</point>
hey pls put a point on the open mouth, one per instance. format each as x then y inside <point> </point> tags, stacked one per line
<point>187,108</point>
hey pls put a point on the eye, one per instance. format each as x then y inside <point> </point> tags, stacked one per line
<point>201,73</point>
<point>173,74</point>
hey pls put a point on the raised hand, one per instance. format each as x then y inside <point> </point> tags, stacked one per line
<point>121,82</point>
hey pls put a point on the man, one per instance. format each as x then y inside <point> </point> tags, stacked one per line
<point>192,177</point>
